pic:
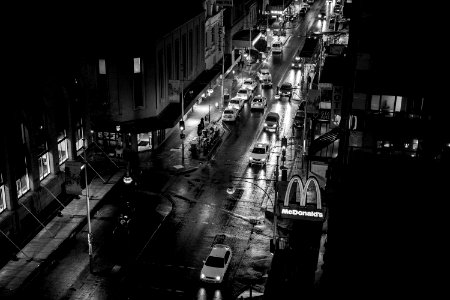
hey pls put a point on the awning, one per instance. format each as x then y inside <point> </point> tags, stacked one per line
<point>325,140</point>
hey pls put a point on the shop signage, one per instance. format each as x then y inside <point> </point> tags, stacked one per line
<point>336,104</point>
<point>296,212</point>
<point>301,210</point>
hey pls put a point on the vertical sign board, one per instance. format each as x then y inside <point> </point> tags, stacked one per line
<point>336,104</point>
<point>302,211</point>
<point>72,179</point>
<point>174,91</point>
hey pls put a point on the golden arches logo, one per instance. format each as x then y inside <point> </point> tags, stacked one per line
<point>301,191</point>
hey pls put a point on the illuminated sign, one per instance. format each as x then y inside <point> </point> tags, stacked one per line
<point>301,210</point>
<point>302,213</point>
<point>224,3</point>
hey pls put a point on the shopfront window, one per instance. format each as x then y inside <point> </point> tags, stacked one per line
<point>144,141</point>
<point>23,183</point>
<point>79,134</point>
<point>2,195</point>
<point>44,165</point>
<point>62,147</point>
<point>109,140</point>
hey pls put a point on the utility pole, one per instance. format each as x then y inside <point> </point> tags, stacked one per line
<point>182,115</point>
<point>89,236</point>
<point>275,239</point>
<point>222,37</point>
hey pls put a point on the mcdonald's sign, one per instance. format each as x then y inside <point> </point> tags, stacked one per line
<point>301,210</point>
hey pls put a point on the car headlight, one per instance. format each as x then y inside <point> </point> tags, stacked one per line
<point>251,158</point>
<point>202,276</point>
<point>265,124</point>
<point>292,64</point>
<point>263,159</point>
<point>217,278</point>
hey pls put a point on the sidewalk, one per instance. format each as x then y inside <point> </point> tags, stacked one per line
<point>43,248</point>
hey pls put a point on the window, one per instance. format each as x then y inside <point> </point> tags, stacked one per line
<point>23,183</point>
<point>44,165</point>
<point>177,58</point>
<point>191,51</point>
<point>62,147</point>
<point>169,61</point>
<point>79,134</point>
<point>2,194</point>
<point>161,73</point>
<point>102,82</point>
<point>102,66</point>
<point>184,55</point>
<point>137,83</point>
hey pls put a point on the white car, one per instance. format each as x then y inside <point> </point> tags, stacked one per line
<point>216,265</point>
<point>244,94</point>
<point>264,74</point>
<point>258,102</point>
<point>260,154</point>
<point>277,47</point>
<point>265,78</point>
<point>230,114</point>
<point>249,84</point>
<point>237,103</point>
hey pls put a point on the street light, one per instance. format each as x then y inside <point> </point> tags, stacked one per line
<point>89,236</point>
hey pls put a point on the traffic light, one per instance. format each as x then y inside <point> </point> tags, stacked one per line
<point>181,125</point>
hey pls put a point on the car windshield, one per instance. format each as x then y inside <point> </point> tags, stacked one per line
<point>215,262</point>
<point>228,111</point>
<point>248,82</point>
<point>235,101</point>
<point>257,100</point>
<point>265,72</point>
<point>276,45</point>
<point>271,119</point>
<point>242,92</point>
<point>259,150</point>
<point>286,86</point>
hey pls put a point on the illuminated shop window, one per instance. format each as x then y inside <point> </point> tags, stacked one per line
<point>102,66</point>
<point>138,94</point>
<point>44,165</point>
<point>23,183</point>
<point>79,134</point>
<point>2,195</point>
<point>62,148</point>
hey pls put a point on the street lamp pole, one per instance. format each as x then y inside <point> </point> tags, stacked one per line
<point>275,240</point>
<point>182,116</point>
<point>222,102</point>
<point>89,236</point>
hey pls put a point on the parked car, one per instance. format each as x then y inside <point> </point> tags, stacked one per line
<point>244,94</point>
<point>299,119</point>
<point>249,84</point>
<point>230,114</point>
<point>260,154</point>
<point>302,11</point>
<point>258,102</point>
<point>236,102</point>
<point>216,264</point>
<point>272,122</point>
<point>286,90</point>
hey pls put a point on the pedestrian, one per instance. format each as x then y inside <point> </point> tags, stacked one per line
<point>278,89</point>
<point>202,123</point>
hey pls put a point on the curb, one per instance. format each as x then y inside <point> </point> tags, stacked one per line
<point>44,264</point>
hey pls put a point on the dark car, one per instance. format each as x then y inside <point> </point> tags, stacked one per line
<point>322,14</point>
<point>299,119</point>
<point>286,90</point>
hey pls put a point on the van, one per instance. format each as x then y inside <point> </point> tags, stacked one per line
<point>272,122</point>
<point>277,47</point>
